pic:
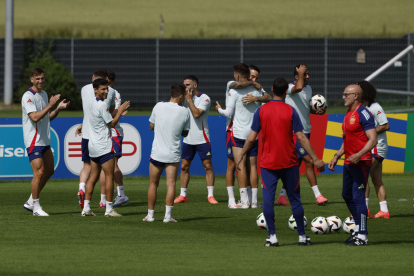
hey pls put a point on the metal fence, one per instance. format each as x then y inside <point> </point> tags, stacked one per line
<point>146,68</point>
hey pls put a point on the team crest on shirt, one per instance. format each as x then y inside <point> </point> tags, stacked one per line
<point>352,120</point>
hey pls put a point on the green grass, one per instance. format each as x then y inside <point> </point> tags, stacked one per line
<point>212,19</point>
<point>207,240</point>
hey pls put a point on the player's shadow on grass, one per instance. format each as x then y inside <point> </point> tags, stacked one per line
<point>203,218</point>
<point>402,216</point>
<point>135,204</point>
<point>66,213</point>
<point>133,213</point>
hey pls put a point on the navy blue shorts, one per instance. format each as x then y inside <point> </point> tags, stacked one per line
<point>36,152</point>
<point>158,163</point>
<point>253,151</point>
<point>117,145</point>
<point>204,151</point>
<point>103,158</point>
<point>229,146</point>
<point>300,151</point>
<point>379,158</point>
<point>85,151</point>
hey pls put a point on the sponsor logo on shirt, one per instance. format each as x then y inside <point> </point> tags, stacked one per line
<point>208,153</point>
<point>207,101</point>
<point>229,94</point>
<point>302,151</point>
<point>379,112</point>
<point>29,101</point>
<point>107,109</point>
<point>361,186</point>
<point>352,120</point>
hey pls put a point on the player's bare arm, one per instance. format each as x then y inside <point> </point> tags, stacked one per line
<point>121,109</point>
<point>39,115</point>
<point>372,142</point>
<point>336,157</point>
<point>383,128</point>
<point>245,84</point>
<point>197,112</point>
<point>62,105</point>
<point>300,83</point>
<point>247,145</point>
<point>151,126</point>
<point>304,142</point>
<point>248,99</point>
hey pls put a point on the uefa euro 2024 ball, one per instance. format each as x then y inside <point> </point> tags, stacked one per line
<point>318,102</point>
<point>319,225</point>
<point>261,222</point>
<point>334,224</point>
<point>292,222</point>
<point>349,224</point>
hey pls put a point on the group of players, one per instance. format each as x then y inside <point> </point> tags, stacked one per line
<point>284,123</point>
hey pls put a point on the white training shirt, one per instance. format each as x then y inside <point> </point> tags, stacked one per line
<point>243,114</point>
<point>300,102</point>
<point>229,121</point>
<point>380,119</point>
<point>100,139</point>
<point>35,134</point>
<point>199,133</point>
<point>88,96</point>
<point>170,119</point>
<point>117,131</point>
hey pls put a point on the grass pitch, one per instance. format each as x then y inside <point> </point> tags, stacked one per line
<point>207,240</point>
<point>211,19</point>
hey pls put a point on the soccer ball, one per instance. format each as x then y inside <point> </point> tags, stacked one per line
<point>292,222</point>
<point>349,224</point>
<point>334,223</point>
<point>318,102</point>
<point>261,222</point>
<point>319,225</point>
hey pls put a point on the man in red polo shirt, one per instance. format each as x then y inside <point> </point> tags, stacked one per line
<point>359,137</point>
<point>277,120</point>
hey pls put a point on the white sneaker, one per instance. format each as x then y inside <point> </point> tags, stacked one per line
<point>166,220</point>
<point>28,207</point>
<point>40,213</point>
<point>87,214</point>
<point>148,218</point>
<point>233,205</point>
<point>113,213</point>
<point>255,205</point>
<point>120,200</point>
<point>243,205</point>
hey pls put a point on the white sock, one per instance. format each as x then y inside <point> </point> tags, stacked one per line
<point>367,201</point>
<point>150,213</point>
<point>254,195</point>
<point>249,193</point>
<point>109,206</point>
<point>282,192</point>
<point>82,186</point>
<point>103,198</point>
<point>30,200</point>
<point>230,191</point>
<point>120,190</point>
<point>168,210</point>
<point>36,204</point>
<point>243,195</point>
<point>302,238</point>
<point>316,191</point>
<point>362,237</point>
<point>87,205</point>
<point>183,192</point>
<point>210,191</point>
<point>383,206</point>
<point>273,238</point>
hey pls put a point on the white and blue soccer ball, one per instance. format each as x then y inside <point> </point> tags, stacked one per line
<point>261,222</point>
<point>334,224</point>
<point>319,225</point>
<point>292,222</point>
<point>349,224</point>
<point>318,102</point>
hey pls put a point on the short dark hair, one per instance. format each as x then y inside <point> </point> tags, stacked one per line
<point>242,69</point>
<point>177,89</point>
<point>37,72</point>
<point>111,75</point>
<point>280,86</point>
<point>98,82</point>
<point>295,73</point>
<point>191,77</point>
<point>100,73</point>
<point>369,92</point>
<point>255,68</point>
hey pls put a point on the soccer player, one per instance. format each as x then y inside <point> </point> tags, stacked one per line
<point>299,95</point>
<point>198,139</point>
<point>100,146</point>
<point>117,137</point>
<point>88,96</point>
<point>277,121</point>
<point>36,116</point>
<point>379,152</point>
<point>169,120</point>
<point>243,117</point>
<point>359,138</point>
